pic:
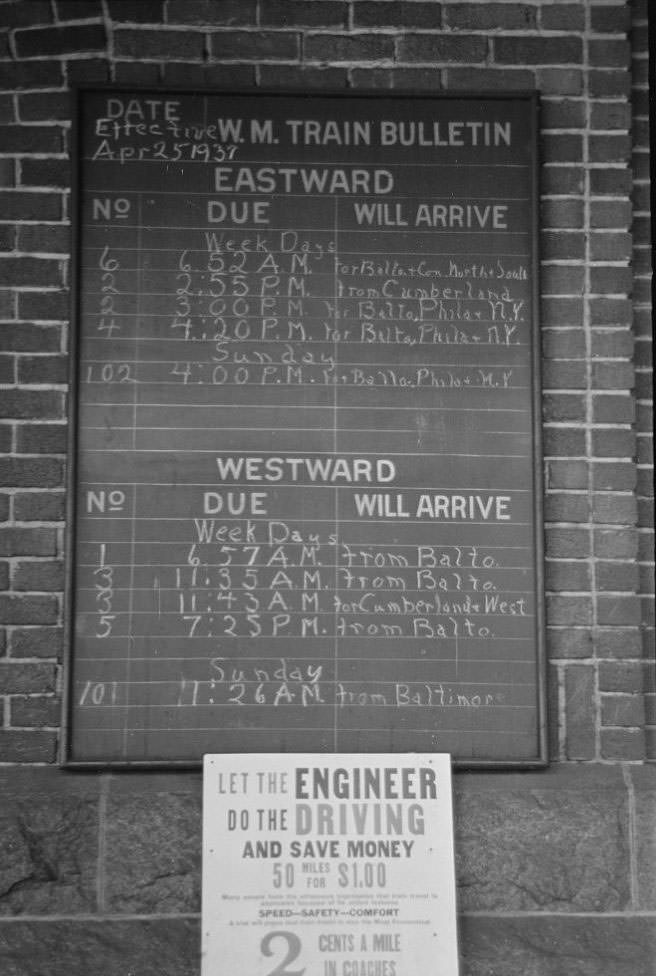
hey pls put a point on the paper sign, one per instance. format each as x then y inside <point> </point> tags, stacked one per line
<point>328,865</point>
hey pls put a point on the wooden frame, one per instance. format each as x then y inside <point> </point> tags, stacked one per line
<point>286,131</point>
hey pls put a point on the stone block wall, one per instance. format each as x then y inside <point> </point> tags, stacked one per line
<point>99,874</point>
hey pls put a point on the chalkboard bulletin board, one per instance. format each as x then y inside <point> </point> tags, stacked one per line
<point>305,478</point>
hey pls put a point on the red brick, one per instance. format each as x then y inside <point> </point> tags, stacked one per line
<point>41,439</point>
<point>612,344</point>
<point>612,409</point>
<point>610,280</point>
<point>568,610</point>
<point>618,611</point>
<point>569,17</point>
<point>26,679</point>
<point>564,442</point>
<point>570,642</point>
<point>39,642</point>
<point>16,541</point>
<point>568,474</point>
<point>610,20</point>
<point>562,148</point>
<point>645,450</point>
<point>567,576</point>
<point>382,78</point>
<point>41,106</point>
<point>20,14</point>
<point>38,711</point>
<point>49,306</point>
<point>159,44</point>
<point>561,312</point>
<point>202,13</point>
<point>610,115</point>
<point>315,77</point>
<point>30,338</point>
<point>623,744</point>
<point>486,79</point>
<point>644,384</point>
<point>569,180</point>
<point>608,53</point>
<point>45,238</point>
<point>31,472</point>
<point>442,48</point>
<point>559,375</point>
<point>641,230</point>
<point>88,71</point>
<point>610,311</point>
<point>646,518</point>
<point>38,576</point>
<point>610,247</point>
<point>610,181</point>
<point>562,213</point>
<point>640,101</point>
<point>609,148</point>
<point>297,13</point>
<point>562,507</point>
<point>45,172</point>
<point>31,272</point>
<point>563,407</point>
<point>615,543</point>
<point>641,291</point>
<point>41,74</point>
<point>538,50</point>
<point>563,343</point>
<point>8,172</point>
<point>185,73</point>
<point>78,9</point>
<point>42,369</point>
<point>397,14</point>
<point>622,677</point>
<point>614,576</point>
<point>554,708</point>
<point>39,506</point>
<point>613,476</point>
<point>609,84</point>
<point>614,508</point>
<point>491,16</point>
<point>27,747</point>
<point>30,609</point>
<point>146,73</point>
<point>23,139</point>
<point>613,442</point>
<point>55,41</point>
<point>579,712</point>
<point>23,205</point>
<point>7,306</point>
<point>613,376</point>
<point>560,81</point>
<point>562,114</point>
<point>622,711</point>
<point>7,375</point>
<point>559,279</point>
<point>613,214</point>
<point>567,543</point>
<point>27,404</point>
<point>152,11</point>
<point>265,45</point>
<point>7,111</point>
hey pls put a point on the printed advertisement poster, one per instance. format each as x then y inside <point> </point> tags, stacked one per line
<point>328,865</point>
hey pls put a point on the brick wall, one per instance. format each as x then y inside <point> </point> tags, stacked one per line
<point>109,865</point>
<point>643,331</point>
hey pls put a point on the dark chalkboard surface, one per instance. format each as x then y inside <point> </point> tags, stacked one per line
<point>306,480</point>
